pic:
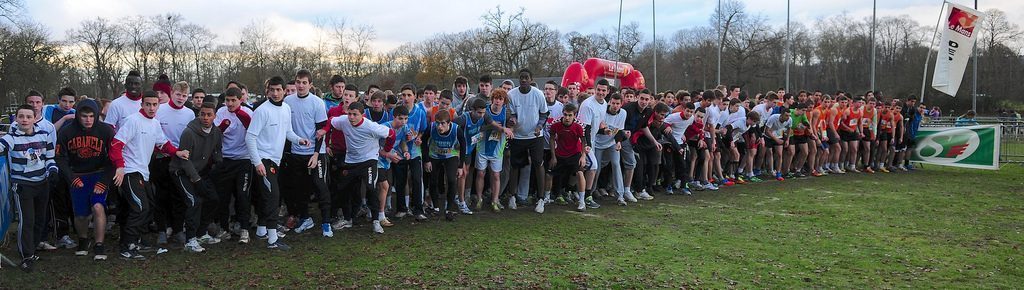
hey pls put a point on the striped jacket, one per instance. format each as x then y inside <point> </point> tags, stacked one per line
<point>30,155</point>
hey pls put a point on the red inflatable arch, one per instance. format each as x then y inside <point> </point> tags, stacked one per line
<point>584,75</point>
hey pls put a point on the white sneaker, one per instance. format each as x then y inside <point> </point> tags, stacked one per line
<point>512,203</point>
<point>402,214</point>
<point>208,240</point>
<point>621,201</point>
<point>630,197</point>
<point>193,246</point>
<point>223,235</point>
<point>66,242</point>
<point>326,229</point>
<point>341,224</point>
<point>306,224</point>
<point>377,228</point>
<point>644,195</point>
<point>540,206</point>
<point>46,246</point>
<point>243,236</point>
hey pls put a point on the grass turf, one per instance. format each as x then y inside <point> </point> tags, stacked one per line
<point>933,228</point>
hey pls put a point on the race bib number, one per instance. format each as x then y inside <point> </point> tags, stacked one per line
<point>495,136</point>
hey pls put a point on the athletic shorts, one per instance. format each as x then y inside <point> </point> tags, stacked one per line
<point>884,136</point>
<point>591,161</point>
<point>848,136</point>
<point>868,136</point>
<point>383,175</point>
<point>797,140</point>
<point>83,198</point>
<point>770,143</point>
<point>833,138</point>
<point>486,162</point>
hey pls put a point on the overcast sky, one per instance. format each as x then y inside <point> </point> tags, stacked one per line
<point>398,22</point>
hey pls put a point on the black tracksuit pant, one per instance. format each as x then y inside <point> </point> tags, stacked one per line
<point>31,200</point>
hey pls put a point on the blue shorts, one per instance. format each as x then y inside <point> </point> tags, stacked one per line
<point>83,198</point>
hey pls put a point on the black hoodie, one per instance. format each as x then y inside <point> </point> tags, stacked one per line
<point>204,150</point>
<point>83,150</point>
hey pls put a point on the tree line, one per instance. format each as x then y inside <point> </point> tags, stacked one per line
<point>829,54</point>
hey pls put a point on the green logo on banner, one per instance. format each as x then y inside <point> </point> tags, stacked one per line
<point>973,147</point>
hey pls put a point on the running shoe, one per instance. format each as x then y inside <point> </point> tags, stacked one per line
<point>45,246</point>
<point>629,196</point>
<point>209,240</point>
<point>495,207</point>
<point>591,203</point>
<point>132,253</point>
<point>448,216</point>
<point>868,170</point>
<point>686,191</point>
<point>225,235</point>
<point>739,180</point>
<point>512,203</point>
<point>464,209</point>
<point>816,174</point>
<point>98,252</point>
<point>83,247</point>
<point>621,201</point>
<point>307,223</point>
<point>66,242</point>
<point>377,228</point>
<point>778,176</point>
<point>710,186</point>
<point>280,246</point>
<point>386,223</point>
<point>561,201</point>
<point>193,246</point>
<point>402,214</point>
<point>754,179</point>
<point>421,217</point>
<point>341,224</point>
<point>644,195</point>
<point>326,229</point>
<point>243,236</point>
<point>540,206</point>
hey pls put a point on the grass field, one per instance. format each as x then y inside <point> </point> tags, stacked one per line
<point>933,228</point>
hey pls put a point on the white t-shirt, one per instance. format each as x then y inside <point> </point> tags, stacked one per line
<point>268,131</point>
<point>762,113</point>
<point>738,128</point>
<point>592,113</point>
<point>120,108</point>
<point>615,123</point>
<point>362,141</point>
<point>234,135</point>
<point>306,112</point>
<point>174,121</point>
<point>679,125</point>
<point>777,127</point>
<point>140,136</point>
<point>528,108</point>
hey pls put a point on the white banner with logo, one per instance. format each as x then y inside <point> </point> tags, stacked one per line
<point>961,28</point>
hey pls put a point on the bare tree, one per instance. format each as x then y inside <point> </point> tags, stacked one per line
<point>510,36</point>
<point>102,43</point>
<point>168,29</point>
<point>997,29</point>
<point>141,43</point>
<point>198,41</point>
<point>11,9</point>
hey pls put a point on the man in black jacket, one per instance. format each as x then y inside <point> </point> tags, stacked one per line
<point>192,176</point>
<point>82,149</point>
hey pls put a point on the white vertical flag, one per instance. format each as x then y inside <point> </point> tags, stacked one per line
<point>961,26</point>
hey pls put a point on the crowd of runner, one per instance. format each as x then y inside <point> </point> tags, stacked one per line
<point>173,168</point>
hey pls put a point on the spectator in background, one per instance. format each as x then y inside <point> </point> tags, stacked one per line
<point>935,113</point>
<point>966,120</point>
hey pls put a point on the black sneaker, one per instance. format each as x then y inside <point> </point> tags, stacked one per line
<point>26,264</point>
<point>99,252</point>
<point>450,215</point>
<point>142,247</point>
<point>132,253</point>
<point>278,246</point>
<point>83,247</point>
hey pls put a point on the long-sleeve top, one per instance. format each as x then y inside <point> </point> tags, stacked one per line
<point>363,138</point>
<point>233,125</point>
<point>135,142</point>
<point>270,126</point>
<point>31,155</point>
<point>82,150</point>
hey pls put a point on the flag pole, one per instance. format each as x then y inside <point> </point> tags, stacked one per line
<point>654,41</point>
<point>924,75</point>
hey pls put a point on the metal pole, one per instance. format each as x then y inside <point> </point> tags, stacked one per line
<point>787,45</point>
<point>924,75</point>
<point>618,47</point>
<point>974,83</point>
<point>718,79</point>
<point>874,12</point>
<point>654,41</point>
